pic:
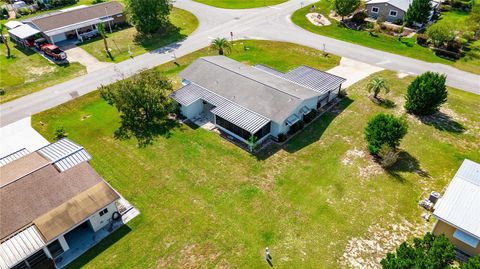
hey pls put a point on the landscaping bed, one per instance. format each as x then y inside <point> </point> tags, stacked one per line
<point>319,201</point>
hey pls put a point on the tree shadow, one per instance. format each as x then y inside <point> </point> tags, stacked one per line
<point>385,103</point>
<point>99,248</point>
<point>147,133</point>
<point>167,35</point>
<point>24,50</point>
<point>442,122</point>
<point>309,134</point>
<point>406,163</point>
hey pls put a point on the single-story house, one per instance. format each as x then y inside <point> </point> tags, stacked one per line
<point>72,23</point>
<point>51,203</point>
<point>458,211</point>
<point>392,10</point>
<point>246,101</point>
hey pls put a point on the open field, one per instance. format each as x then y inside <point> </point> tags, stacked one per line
<point>27,72</point>
<point>406,47</point>
<point>240,4</point>
<point>120,40</point>
<point>316,202</point>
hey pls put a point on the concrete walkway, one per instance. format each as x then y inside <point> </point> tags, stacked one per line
<point>79,55</point>
<point>353,71</point>
<point>19,135</point>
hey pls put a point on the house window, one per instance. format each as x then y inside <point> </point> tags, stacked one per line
<point>103,212</point>
<point>466,238</point>
<point>374,9</point>
<point>393,13</point>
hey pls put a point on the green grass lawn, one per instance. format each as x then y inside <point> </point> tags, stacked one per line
<point>406,47</point>
<point>206,203</point>
<point>27,72</point>
<point>120,40</point>
<point>240,4</point>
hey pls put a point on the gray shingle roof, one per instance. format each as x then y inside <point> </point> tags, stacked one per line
<point>248,87</point>
<point>240,116</point>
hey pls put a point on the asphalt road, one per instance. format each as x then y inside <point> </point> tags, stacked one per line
<point>272,23</point>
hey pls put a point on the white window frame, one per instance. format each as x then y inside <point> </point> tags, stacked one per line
<point>390,13</point>
<point>466,238</point>
<point>376,12</point>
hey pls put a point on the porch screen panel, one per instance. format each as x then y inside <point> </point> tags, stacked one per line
<point>263,132</point>
<point>232,127</point>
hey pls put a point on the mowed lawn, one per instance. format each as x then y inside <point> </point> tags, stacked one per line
<point>240,4</point>
<point>205,203</point>
<point>120,41</point>
<point>406,47</point>
<point>27,72</point>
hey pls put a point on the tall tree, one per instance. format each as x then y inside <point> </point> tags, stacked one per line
<point>5,40</point>
<point>429,252</point>
<point>148,16</point>
<point>383,130</point>
<point>426,94</point>
<point>376,85</point>
<point>418,12</point>
<point>345,7</point>
<point>144,105</point>
<point>222,45</point>
<point>103,33</point>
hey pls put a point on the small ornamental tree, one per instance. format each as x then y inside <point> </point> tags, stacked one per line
<point>376,85</point>
<point>143,104</point>
<point>148,16</point>
<point>418,12</point>
<point>472,263</point>
<point>383,130</point>
<point>440,34</point>
<point>429,252</point>
<point>5,40</point>
<point>426,94</point>
<point>345,7</point>
<point>221,45</point>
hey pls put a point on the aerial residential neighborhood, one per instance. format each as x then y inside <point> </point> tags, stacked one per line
<point>239,134</point>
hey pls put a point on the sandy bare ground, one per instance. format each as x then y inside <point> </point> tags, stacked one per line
<point>318,19</point>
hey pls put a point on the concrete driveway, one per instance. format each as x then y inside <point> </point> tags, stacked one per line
<point>79,55</point>
<point>353,71</point>
<point>19,135</point>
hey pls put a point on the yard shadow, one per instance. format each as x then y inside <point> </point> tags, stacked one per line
<point>406,163</point>
<point>99,248</point>
<point>26,51</point>
<point>385,103</point>
<point>147,133</point>
<point>310,134</point>
<point>153,42</point>
<point>442,122</point>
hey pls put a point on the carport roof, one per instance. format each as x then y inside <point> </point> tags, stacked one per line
<point>23,31</point>
<point>76,16</point>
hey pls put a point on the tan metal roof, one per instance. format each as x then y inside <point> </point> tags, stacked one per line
<point>63,19</point>
<point>39,192</point>
<point>75,210</point>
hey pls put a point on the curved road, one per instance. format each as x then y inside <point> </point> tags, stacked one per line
<point>271,23</point>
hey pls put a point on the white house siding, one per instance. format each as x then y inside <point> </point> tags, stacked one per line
<point>98,221</point>
<point>192,110</point>
<point>63,243</point>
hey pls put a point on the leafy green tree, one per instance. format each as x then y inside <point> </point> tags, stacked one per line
<point>441,33</point>
<point>103,33</point>
<point>472,263</point>
<point>426,94</point>
<point>222,45</point>
<point>376,85</point>
<point>419,11</point>
<point>429,252</point>
<point>383,130</point>
<point>144,105</point>
<point>345,7</point>
<point>148,16</point>
<point>5,40</point>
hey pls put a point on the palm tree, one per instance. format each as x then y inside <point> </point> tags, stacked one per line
<point>222,45</point>
<point>5,40</point>
<point>376,85</point>
<point>103,33</point>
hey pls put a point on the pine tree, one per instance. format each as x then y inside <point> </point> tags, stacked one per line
<point>419,11</point>
<point>426,94</point>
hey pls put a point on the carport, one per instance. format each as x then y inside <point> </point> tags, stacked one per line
<point>21,33</point>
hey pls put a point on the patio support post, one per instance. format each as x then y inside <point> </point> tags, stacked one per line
<point>78,36</point>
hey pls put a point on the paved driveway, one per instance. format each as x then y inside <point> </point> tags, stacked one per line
<point>19,135</point>
<point>353,71</point>
<point>77,54</point>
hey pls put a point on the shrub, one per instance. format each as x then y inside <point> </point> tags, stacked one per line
<point>359,17</point>
<point>369,25</point>
<point>441,34</point>
<point>24,11</point>
<point>310,116</point>
<point>60,133</point>
<point>398,22</point>
<point>282,137</point>
<point>388,156</point>
<point>426,94</point>
<point>472,263</point>
<point>383,130</point>
<point>2,91</point>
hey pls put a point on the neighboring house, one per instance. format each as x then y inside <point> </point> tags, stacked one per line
<point>53,206</point>
<point>71,23</point>
<point>246,101</point>
<point>458,211</point>
<point>391,10</point>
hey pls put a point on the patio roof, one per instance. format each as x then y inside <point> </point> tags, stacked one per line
<point>308,77</point>
<point>20,246</point>
<point>234,113</point>
<point>64,154</point>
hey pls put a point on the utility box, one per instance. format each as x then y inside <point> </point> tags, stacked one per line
<point>434,196</point>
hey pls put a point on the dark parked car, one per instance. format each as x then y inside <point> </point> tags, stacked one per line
<point>53,51</point>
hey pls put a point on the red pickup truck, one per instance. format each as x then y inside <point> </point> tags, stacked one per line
<point>53,51</point>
